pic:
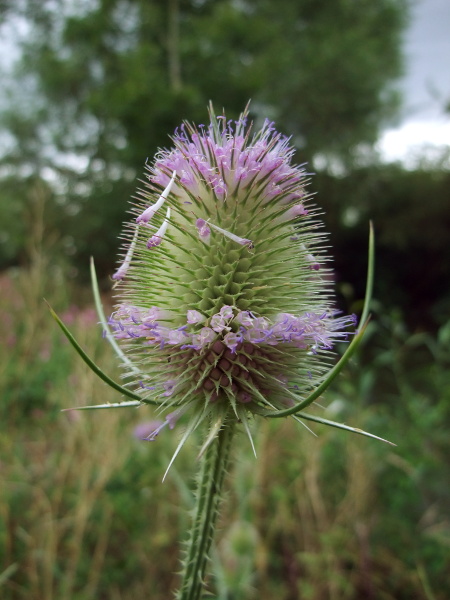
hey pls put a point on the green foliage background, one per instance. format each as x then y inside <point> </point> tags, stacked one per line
<point>100,85</point>
<point>97,89</point>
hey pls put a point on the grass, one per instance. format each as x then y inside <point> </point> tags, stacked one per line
<point>84,515</point>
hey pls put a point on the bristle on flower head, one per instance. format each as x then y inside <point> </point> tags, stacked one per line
<point>231,312</point>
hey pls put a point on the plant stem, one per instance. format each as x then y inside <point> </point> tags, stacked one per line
<point>212,472</point>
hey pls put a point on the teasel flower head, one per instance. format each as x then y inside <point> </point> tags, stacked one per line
<point>224,294</point>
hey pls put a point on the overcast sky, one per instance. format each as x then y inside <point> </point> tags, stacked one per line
<point>426,85</point>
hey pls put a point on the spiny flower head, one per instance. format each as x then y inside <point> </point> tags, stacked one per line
<point>224,292</point>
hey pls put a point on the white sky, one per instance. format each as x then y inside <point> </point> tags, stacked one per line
<point>426,85</point>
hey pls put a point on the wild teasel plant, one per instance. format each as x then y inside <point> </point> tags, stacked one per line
<point>224,301</point>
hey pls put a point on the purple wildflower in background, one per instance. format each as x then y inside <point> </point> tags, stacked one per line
<point>224,295</point>
<point>144,431</point>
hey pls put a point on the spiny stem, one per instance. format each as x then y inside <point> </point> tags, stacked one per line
<point>213,468</point>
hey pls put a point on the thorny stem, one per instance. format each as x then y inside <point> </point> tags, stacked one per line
<point>213,468</point>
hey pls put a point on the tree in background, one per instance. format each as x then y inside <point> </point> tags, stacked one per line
<point>99,84</point>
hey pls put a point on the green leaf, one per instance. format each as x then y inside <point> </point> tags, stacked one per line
<point>103,320</point>
<point>334,372</point>
<point>107,405</point>
<point>91,364</point>
<point>309,417</point>
<point>370,277</point>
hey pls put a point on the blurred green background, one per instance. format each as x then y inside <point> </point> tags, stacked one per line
<point>95,87</point>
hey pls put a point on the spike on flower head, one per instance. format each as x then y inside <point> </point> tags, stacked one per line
<point>231,315</point>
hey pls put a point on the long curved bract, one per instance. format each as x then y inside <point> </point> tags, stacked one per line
<point>334,372</point>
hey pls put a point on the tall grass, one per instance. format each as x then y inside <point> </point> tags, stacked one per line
<point>84,514</point>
